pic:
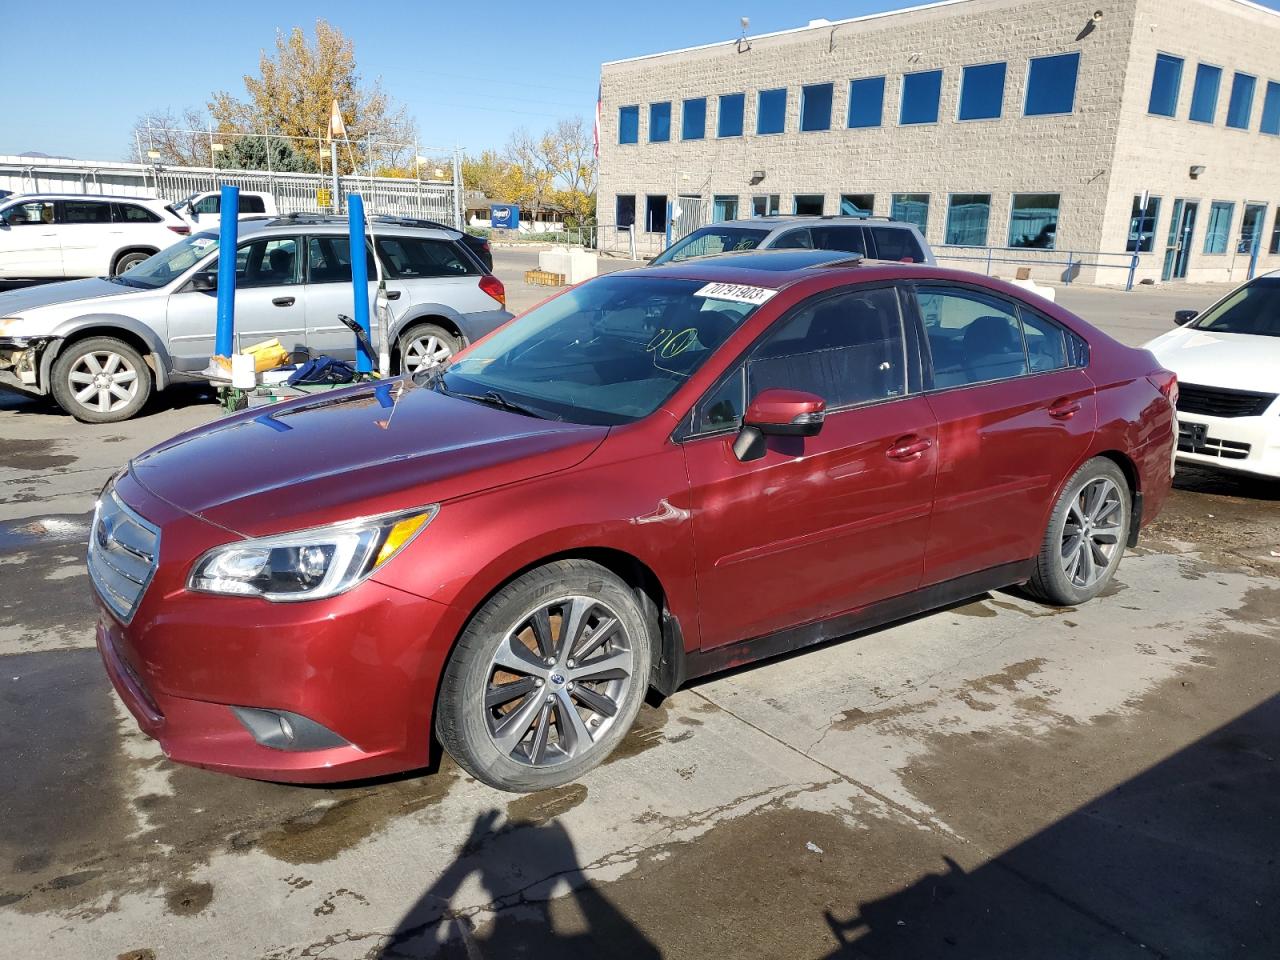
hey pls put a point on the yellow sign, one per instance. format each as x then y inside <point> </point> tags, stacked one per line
<point>324,198</point>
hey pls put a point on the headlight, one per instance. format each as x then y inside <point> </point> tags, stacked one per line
<point>310,564</point>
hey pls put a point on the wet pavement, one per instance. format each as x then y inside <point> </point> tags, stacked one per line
<point>998,779</point>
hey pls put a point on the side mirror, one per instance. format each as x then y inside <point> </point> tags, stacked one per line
<point>778,413</point>
<point>206,281</point>
<point>1183,317</point>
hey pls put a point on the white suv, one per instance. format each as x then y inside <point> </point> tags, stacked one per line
<point>54,235</point>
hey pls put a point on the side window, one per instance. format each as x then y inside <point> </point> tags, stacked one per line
<point>85,211</point>
<point>1047,344</point>
<point>973,338</point>
<point>722,408</point>
<point>35,213</point>
<point>848,239</point>
<point>269,262</point>
<point>847,349</point>
<point>329,260</point>
<point>794,240</point>
<point>208,205</point>
<point>132,213</point>
<point>894,243</point>
<point>409,258</point>
<point>252,204</point>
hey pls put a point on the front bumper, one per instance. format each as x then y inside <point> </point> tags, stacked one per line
<point>20,363</point>
<point>1240,444</point>
<point>362,666</point>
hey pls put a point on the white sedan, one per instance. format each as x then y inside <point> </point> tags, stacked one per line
<point>1228,364</point>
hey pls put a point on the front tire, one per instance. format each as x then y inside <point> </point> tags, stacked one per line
<point>1086,537</point>
<point>100,380</point>
<point>547,678</point>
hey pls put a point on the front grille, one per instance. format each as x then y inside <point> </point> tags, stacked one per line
<point>1222,402</point>
<point>1192,438</point>
<point>122,554</point>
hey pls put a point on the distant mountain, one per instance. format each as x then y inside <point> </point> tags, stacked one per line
<point>37,155</point>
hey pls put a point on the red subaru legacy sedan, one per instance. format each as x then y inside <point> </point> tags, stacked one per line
<point>652,476</point>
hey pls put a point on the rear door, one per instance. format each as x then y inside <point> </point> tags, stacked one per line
<point>894,243</point>
<point>329,292</point>
<point>1016,413</point>
<point>29,245</point>
<point>88,237</point>
<point>849,238</point>
<point>269,304</point>
<point>819,525</point>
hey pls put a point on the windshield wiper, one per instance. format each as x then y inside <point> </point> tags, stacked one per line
<point>493,398</point>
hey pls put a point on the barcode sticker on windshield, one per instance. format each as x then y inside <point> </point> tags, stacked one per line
<point>201,242</point>
<point>737,292</point>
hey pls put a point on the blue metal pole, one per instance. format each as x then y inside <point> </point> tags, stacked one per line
<point>228,235</point>
<point>1133,267</point>
<point>668,224</point>
<point>359,276</point>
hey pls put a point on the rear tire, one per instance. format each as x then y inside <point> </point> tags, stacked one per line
<point>100,380</point>
<point>128,259</point>
<point>1086,537</point>
<point>547,678</point>
<point>425,345</point>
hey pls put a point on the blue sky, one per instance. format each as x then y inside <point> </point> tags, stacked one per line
<point>470,73</point>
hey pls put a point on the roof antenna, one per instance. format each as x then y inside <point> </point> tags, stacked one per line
<point>743,43</point>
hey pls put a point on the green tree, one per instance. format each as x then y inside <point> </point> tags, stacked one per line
<point>251,153</point>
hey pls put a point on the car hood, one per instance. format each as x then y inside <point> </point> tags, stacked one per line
<point>19,303</point>
<point>355,452</point>
<point>1235,360</point>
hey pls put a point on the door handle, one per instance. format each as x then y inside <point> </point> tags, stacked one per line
<point>1064,409</point>
<point>909,447</point>
<point>282,302</point>
<point>393,294</point>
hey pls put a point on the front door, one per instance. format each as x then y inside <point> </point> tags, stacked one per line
<point>269,304</point>
<point>820,525</point>
<point>29,244</point>
<point>1182,226</point>
<point>1015,414</point>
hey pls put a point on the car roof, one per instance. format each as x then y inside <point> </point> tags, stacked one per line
<point>328,224</point>
<point>80,196</point>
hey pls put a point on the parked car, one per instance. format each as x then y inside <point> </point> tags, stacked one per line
<point>101,346</point>
<point>652,476</point>
<point>53,235</point>
<point>203,210</point>
<point>869,236</point>
<point>1228,364</point>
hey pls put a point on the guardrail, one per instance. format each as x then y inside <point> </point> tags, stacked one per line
<point>1072,261</point>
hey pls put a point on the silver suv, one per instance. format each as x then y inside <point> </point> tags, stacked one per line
<point>101,346</point>
<point>874,237</point>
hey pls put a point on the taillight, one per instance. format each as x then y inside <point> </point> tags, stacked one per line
<point>494,288</point>
<point>1166,381</point>
<point>181,231</point>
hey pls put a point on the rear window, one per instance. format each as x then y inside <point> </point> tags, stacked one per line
<point>894,243</point>
<point>86,211</point>
<point>712,240</point>
<point>252,204</point>
<point>409,258</point>
<point>848,239</point>
<point>329,259</point>
<point>132,213</point>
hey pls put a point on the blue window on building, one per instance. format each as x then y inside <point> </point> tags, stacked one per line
<point>1241,103</point>
<point>967,217</point>
<point>1142,225</point>
<point>694,122</point>
<point>920,92</point>
<point>731,107</point>
<point>724,207</point>
<point>1033,220</point>
<point>628,124</point>
<point>1219,230</point>
<point>1165,82</point>
<point>857,204</point>
<point>1204,95</point>
<point>1271,109</point>
<point>771,111</point>
<point>866,102</point>
<point>659,122</point>
<point>911,208</point>
<point>1051,84</point>
<point>982,92</point>
<point>815,107</point>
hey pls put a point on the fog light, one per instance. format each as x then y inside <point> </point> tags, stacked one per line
<point>283,730</point>
<point>286,728</point>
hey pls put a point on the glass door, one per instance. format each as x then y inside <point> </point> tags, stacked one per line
<point>1182,225</point>
<point>1255,214</point>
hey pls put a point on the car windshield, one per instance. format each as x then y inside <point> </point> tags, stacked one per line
<point>709,241</point>
<point>166,266</point>
<point>1253,309</point>
<point>607,352</point>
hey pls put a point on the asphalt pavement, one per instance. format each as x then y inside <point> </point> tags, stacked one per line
<point>998,779</point>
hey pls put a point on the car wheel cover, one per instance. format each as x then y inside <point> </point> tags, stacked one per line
<point>558,681</point>
<point>425,351</point>
<point>1092,532</point>
<point>103,381</point>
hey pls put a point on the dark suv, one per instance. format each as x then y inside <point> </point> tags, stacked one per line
<point>872,237</point>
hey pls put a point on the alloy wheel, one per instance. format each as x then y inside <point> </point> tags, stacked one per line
<point>557,681</point>
<point>425,351</point>
<point>104,381</point>
<point>1092,532</point>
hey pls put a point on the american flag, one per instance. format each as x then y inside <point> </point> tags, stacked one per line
<point>599,93</point>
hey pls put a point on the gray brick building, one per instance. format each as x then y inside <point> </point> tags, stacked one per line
<point>1036,126</point>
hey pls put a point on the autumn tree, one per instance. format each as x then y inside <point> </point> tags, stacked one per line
<point>294,92</point>
<point>497,177</point>
<point>559,167</point>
